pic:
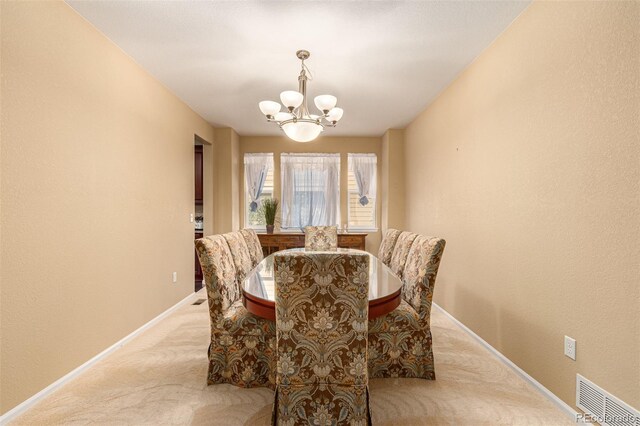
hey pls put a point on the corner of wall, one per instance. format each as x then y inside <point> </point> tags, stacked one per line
<point>392,181</point>
<point>235,180</point>
<point>227,164</point>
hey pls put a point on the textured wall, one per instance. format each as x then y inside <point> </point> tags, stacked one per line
<point>342,145</point>
<point>392,180</point>
<point>529,166</point>
<point>226,216</point>
<point>97,187</point>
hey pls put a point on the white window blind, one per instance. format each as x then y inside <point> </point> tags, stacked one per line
<point>310,190</point>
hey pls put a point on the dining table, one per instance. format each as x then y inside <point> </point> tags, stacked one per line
<point>259,290</point>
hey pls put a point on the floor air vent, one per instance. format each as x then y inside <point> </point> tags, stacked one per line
<point>199,302</point>
<point>602,407</point>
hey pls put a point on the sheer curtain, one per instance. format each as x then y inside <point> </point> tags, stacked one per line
<point>310,190</point>
<point>364,170</point>
<point>256,168</point>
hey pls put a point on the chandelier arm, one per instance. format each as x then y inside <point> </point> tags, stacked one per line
<point>301,120</point>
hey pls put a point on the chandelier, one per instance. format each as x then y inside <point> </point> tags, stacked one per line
<point>297,123</point>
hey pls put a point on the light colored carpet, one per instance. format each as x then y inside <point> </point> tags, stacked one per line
<point>159,378</point>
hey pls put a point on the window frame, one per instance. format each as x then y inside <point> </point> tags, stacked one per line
<point>375,226</point>
<point>293,229</point>
<point>247,197</point>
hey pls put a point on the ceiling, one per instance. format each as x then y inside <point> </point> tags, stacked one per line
<point>384,60</point>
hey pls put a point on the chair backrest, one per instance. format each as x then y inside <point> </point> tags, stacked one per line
<point>254,246</point>
<point>420,274</point>
<point>387,245</point>
<point>322,310</point>
<point>401,251</point>
<point>321,238</point>
<point>219,274</point>
<point>240,252</point>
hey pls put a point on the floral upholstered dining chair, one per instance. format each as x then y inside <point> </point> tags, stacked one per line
<point>242,345</point>
<point>387,245</point>
<point>321,238</point>
<point>240,254</point>
<point>321,339</point>
<point>401,252</point>
<point>400,342</point>
<point>254,246</point>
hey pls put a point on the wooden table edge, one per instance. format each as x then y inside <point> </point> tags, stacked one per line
<point>267,308</point>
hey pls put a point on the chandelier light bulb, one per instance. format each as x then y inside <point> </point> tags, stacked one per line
<point>325,103</point>
<point>291,99</point>
<point>269,108</point>
<point>302,131</point>
<point>335,114</point>
<point>283,116</point>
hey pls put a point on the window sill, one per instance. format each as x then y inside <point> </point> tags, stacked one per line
<point>340,231</point>
<point>357,230</point>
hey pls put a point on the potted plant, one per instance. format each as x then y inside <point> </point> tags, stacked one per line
<point>270,210</point>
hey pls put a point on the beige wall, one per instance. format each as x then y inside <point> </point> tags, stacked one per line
<point>392,180</point>
<point>342,145</point>
<point>97,187</point>
<point>529,166</point>
<point>226,216</point>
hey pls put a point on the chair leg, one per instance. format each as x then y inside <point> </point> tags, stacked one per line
<point>274,410</point>
<point>369,421</point>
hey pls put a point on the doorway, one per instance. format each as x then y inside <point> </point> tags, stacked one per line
<point>198,158</point>
<point>202,197</point>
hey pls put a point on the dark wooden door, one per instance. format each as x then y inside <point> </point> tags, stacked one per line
<point>198,157</point>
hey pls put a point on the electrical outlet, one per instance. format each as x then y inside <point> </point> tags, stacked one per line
<point>174,276</point>
<point>191,218</point>
<point>570,347</point>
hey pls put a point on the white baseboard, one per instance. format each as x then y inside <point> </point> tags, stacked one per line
<point>519,371</point>
<point>24,406</point>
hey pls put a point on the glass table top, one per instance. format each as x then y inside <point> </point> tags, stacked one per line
<point>382,281</point>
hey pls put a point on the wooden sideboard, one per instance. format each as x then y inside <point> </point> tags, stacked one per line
<point>286,240</point>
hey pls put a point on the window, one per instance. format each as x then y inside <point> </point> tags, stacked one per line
<point>310,190</point>
<point>258,185</point>
<point>362,191</point>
